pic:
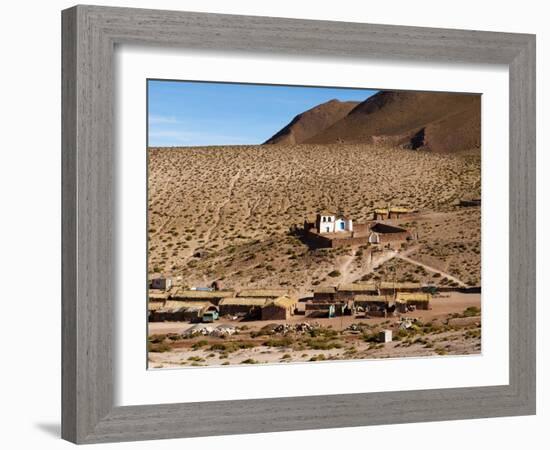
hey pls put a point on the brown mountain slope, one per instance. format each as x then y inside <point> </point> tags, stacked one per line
<point>312,122</point>
<point>439,122</point>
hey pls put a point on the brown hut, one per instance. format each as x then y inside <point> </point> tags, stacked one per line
<point>248,307</point>
<point>188,295</point>
<point>281,308</point>
<point>417,300</point>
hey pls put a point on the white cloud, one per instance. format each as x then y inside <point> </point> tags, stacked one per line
<point>192,138</point>
<point>163,119</point>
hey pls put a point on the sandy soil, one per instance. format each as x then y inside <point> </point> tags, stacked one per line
<point>224,213</point>
<point>431,337</point>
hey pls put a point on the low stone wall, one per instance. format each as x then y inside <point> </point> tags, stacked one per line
<point>335,243</point>
<point>320,241</point>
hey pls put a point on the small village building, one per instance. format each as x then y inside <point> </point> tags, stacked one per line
<point>161,283</point>
<point>381,233</point>
<point>406,301</point>
<point>320,309</point>
<point>329,222</point>
<point>153,306</point>
<point>349,291</point>
<point>199,295</point>
<point>391,212</point>
<point>392,287</point>
<point>263,293</point>
<point>248,307</point>
<point>329,309</point>
<point>281,308</point>
<point>324,293</point>
<point>374,305</point>
<point>181,311</point>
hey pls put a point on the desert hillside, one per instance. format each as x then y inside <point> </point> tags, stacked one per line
<point>439,122</point>
<point>224,213</point>
<point>312,122</point>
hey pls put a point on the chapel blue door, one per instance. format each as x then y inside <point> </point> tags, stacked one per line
<point>341,225</point>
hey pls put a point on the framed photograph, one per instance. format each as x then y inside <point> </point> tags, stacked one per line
<point>277,224</point>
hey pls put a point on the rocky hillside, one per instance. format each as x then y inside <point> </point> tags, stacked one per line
<point>311,122</point>
<point>439,122</point>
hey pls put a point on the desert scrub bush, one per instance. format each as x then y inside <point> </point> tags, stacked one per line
<point>158,348</point>
<point>323,343</point>
<point>473,334</point>
<point>249,361</point>
<point>319,357</point>
<point>471,311</point>
<point>157,338</point>
<point>286,341</point>
<point>323,331</point>
<point>400,334</point>
<point>230,347</point>
<point>334,274</point>
<point>174,336</point>
<point>199,344</point>
<point>370,337</point>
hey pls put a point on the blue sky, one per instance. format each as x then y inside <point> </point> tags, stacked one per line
<point>183,113</point>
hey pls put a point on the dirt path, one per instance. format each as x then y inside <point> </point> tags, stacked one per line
<point>170,214</point>
<point>344,267</point>
<point>219,209</point>
<point>431,269</point>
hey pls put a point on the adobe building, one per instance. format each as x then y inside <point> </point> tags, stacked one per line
<point>374,305</point>
<point>281,308</point>
<point>248,307</point>
<point>393,287</point>
<point>407,301</point>
<point>382,233</point>
<point>190,295</point>
<point>324,294</point>
<point>329,222</point>
<point>180,311</point>
<point>331,230</point>
<point>328,309</point>
<point>392,212</point>
<point>351,290</point>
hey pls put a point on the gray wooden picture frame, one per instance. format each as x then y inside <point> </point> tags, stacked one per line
<point>90,34</point>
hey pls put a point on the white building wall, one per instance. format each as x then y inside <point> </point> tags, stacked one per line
<point>327,224</point>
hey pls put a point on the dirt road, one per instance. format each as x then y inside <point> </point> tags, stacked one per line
<point>431,269</point>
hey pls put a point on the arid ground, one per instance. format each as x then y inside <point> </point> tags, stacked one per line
<point>451,327</point>
<point>241,217</point>
<point>224,213</point>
